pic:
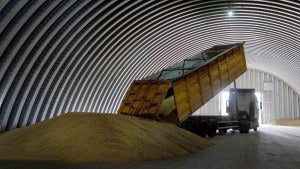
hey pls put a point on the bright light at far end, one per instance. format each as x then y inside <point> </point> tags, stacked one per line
<point>230,13</point>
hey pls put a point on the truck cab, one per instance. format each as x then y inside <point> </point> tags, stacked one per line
<point>243,108</point>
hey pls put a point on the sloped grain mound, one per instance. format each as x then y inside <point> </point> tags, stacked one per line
<point>287,122</point>
<point>89,137</point>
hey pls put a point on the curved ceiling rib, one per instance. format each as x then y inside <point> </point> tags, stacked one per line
<point>60,56</point>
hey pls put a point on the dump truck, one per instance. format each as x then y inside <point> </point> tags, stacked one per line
<point>242,114</point>
<point>176,92</point>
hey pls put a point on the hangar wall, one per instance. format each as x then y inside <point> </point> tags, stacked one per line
<point>279,100</point>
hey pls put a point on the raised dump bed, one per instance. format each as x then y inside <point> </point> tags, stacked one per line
<point>179,90</point>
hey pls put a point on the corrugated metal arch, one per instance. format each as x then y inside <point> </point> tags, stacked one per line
<point>59,56</point>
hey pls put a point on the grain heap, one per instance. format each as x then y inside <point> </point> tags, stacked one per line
<point>90,137</point>
<point>287,122</point>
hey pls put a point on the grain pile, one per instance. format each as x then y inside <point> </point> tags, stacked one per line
<point>287,122</point>
<point>88,137</point>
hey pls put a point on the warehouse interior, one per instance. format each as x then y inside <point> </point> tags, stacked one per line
<point>64,56</point>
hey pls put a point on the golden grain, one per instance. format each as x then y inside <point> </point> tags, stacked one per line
<point>91,137</point>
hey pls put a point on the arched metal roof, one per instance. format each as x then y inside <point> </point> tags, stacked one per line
<point>67,55</point>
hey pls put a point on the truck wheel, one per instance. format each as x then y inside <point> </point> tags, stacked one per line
<point>203,129</point>
<point>212,131</point>
<point>255,128</point>
<point>247,129</point>
<point>242,128</point>
<point>199,128</point>
<point>194,127</point>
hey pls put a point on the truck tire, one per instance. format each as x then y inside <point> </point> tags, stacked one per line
<point>244,128</point>
<point>241,129</point>
<point>247,129</point>
<point>212,131</point>
<point>203,129</point>
<point>196,126</point>
<point>255,128</point>
<point>199,128</point>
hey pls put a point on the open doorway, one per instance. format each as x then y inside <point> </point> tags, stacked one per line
<point>259,101</point>
<point>224,98</point>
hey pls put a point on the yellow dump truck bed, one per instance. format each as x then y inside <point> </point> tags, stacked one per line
<point>179,90</point>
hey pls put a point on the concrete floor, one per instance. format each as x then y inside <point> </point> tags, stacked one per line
<point>272,147</point>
